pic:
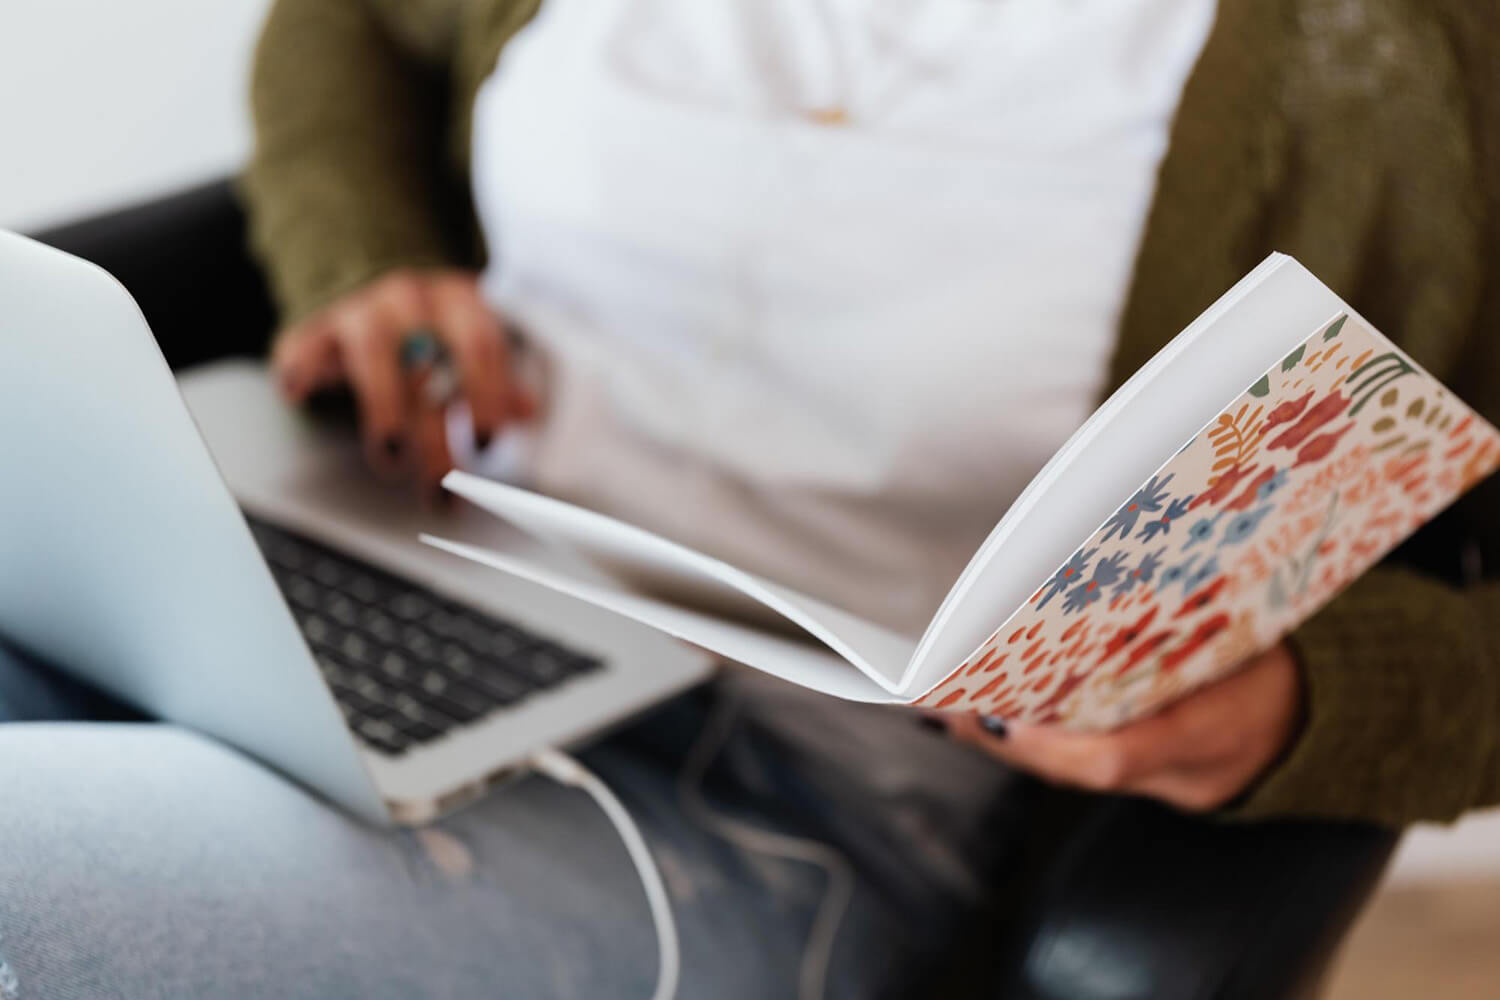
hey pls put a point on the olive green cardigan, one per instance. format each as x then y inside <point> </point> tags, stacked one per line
<point>1361,136</point>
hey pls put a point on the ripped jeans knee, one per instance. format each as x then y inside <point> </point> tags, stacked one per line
<point>10,986</point>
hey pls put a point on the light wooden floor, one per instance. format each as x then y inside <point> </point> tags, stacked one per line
<point>1416,942</point>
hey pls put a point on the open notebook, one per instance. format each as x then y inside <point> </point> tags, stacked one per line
<point>1267,456</point>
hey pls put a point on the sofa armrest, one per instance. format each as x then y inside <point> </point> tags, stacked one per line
<point>1128,900</point>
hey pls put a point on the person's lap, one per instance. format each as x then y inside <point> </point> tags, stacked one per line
<point>141,860</point>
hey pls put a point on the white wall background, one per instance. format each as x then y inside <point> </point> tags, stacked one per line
<point>103,101</point>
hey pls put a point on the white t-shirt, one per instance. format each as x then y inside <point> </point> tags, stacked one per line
<point>832,353</point>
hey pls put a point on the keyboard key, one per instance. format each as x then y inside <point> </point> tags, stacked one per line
<point>499,685</point>
<point>383,736</point>
<point>281,553</point>
<point>359,650</point>
<point>418,642</point>
<point>328,572</point>
<point>365,588</point>
<point>410,606</point>
<point>420,732</point>
<point>380,625</point>
<point>395,667</point>
<point>333,670</point>
<point>456,658</point>
<point>341,609</point>
<point>456,704</point>
<point>500,643</point>
<point>413,710</point>
<point>459,698</point>
<point>370,688</point>
<point>444,624</point>
<point>302,592</point>
<point>544,665</point>
<point>315,628</point>
<point>354,703</point>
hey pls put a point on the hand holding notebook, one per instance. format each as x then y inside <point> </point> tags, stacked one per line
<point>1261,461</point>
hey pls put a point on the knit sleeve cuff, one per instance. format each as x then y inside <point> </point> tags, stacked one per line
<point>1400,693</point>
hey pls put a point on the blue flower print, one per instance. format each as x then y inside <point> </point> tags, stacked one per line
<point>1163,524</point>
<point>1269,488</point>
<point>1071,572</point>
<point>1148,499</point>
<point>1142,574</point>
<point>1081,597</point>
<point>1106,572</point>
<point>1200,576</point>
<point>1175,574</point>
<point>1244,525</point>
<point>1201,531</point>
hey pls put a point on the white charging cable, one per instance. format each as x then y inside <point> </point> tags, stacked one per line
<point>817,952</point>
<point>566,771</point>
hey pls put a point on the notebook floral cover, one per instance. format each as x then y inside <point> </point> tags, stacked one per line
<point>1336,455</point>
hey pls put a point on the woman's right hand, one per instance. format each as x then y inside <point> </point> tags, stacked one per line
<point>357,340</point>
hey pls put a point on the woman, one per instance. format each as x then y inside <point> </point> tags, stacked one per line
<point>817,286</point>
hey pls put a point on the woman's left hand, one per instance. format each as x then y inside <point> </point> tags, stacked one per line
<point>1197,754</point>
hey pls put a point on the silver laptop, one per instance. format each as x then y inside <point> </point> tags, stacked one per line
<point>243,576</point>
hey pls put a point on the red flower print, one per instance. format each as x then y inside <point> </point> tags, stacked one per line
<point>1250,494</point>
<point>1202,634</point>
<point>1202,597</point>
<point>1398,469</point>
<point>952,697</point>
<point>991,688</point>
<point>1145,649</point>
<point>1126,634</point>
<point>1319,447</point>
<point>1047,711</point>
<point>1225,486</point>
<point>1327,409</point>
<point>1290,410</point>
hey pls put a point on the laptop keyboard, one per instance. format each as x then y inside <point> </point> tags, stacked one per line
<point>406,666</point>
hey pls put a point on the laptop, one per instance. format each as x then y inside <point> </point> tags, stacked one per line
<point>208,554</point>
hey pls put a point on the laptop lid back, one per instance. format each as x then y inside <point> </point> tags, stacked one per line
<point>123,558</point>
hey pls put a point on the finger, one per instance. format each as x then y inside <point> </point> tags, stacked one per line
<point>429,437</point>
<point>306,358</point>
<point>1105,762</point>
<point>368,340</point>
<point>476,339</point>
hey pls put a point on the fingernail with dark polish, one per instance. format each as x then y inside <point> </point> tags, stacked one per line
<point>994,725</point>
<point>935,724</point>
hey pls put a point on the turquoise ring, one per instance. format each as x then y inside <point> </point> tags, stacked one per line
<point>420,349</point>
<point>423,355</point>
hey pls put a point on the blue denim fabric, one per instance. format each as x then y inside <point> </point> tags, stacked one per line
<point>141,860</point>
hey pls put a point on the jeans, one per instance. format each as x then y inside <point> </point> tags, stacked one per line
<point>141,860</point>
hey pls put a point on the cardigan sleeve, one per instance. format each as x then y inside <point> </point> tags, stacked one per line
<point>1402,685</point>
<point>348,177</point>
<point>1402,671</point>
